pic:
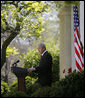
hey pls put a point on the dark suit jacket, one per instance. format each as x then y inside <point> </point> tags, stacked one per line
<point>44,70</point>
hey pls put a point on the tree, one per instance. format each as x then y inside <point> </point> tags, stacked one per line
<point>20,17</point>
<point>23,17</point>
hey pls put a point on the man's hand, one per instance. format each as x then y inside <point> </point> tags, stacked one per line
<point>31,69</point>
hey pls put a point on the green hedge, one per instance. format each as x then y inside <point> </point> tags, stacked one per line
<point>71,86</point>
<point>16,94</point>
<point>11,91</point>
<point>31,85</point>
<point>4,88</point>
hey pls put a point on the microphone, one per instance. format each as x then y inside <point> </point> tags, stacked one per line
<point>16,62</point>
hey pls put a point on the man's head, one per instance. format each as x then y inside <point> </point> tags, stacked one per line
<point>41,48</point>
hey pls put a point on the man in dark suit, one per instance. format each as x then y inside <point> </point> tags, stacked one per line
<point>44,69</point>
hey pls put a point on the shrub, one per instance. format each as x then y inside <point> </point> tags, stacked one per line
<point>4,88</point>
<point>56,90</point>
<point>30,85</point>
<point>32,58</point>
<point>16,94</point>
<point>41,92</point>
<point>13,92</point>
<point>14,86</point>
<point>71,86</point>
<point>32,88</point>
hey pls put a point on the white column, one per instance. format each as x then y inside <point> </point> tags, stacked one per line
<point>68,63</point>
<point>62,45</point>
<point>65,41</point>
<point>82,21</point>
<point>72,41</point>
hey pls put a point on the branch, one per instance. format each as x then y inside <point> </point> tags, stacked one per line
<point>7,42</point>
<point>5,45</point>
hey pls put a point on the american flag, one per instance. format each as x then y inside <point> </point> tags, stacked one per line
<point>79,58</point>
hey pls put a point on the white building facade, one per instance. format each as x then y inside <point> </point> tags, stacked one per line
<point>67,59</point>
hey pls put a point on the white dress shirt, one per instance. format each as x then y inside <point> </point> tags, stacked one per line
<point>43,52</point>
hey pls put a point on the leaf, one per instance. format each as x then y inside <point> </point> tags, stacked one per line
<point>28,1</point>
<point>36,4</point>
<point>37,9</point>
<point>11,51</point>
<point>28,8</point>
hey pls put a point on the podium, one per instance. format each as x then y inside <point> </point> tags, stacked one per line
<point>20,73</point>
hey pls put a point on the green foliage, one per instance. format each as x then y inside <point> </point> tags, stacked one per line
<point>16,94</point>
<point>11,91</point>
<point>31,85</point>
<point>41,92</point>
<point>14,86</point>
<point>32,58</point>
<point>37,6</point>
<point>3,25</point>
<point>77,3</point>
<point>62,4</point>
<point>11,51</point>
<point>26,14</point>
<point>4,88</point>
<point>71,86</point>
<point>29,82</point>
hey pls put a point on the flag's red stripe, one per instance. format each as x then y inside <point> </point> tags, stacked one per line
<point>79,56</point>
<point>79,40</point>
<point>77,33</point>
<point>77,65</point>
<point>79,46</point>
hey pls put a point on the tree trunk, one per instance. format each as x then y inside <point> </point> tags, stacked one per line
<point>5,45</point>
<point>7,67</point>
<point>13,34</point>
